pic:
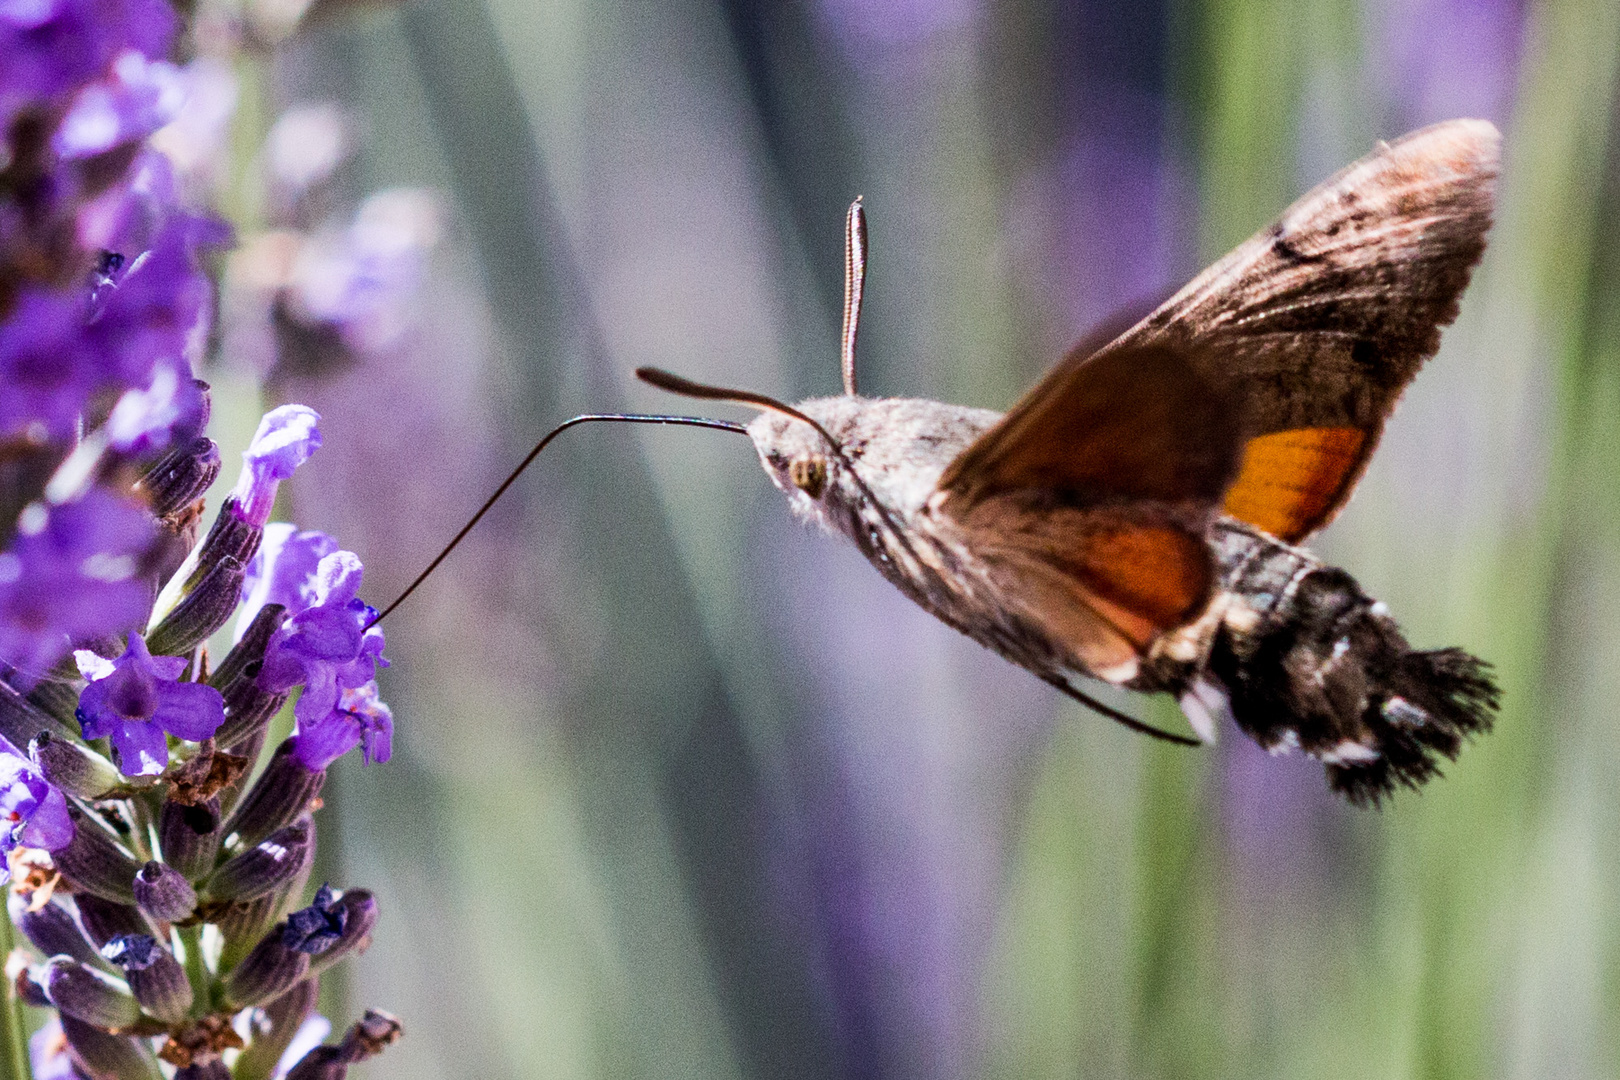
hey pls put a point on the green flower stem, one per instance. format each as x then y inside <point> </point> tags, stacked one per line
<point>13,1032</point>
<point>202,980</point>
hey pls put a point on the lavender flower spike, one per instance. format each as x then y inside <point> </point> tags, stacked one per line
<point>135,699</point>
<point>32,812</point>
<point>286,438</point>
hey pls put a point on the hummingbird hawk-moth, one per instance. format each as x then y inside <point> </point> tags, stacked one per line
<point>1134,518</point>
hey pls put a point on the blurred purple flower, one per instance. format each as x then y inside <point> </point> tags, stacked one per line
<point>158,311</point>
<point>70,575</point>
<point>362,280</point>
<point>33,813</point>
<point>197,141</point>
<point>327,647</point>
<point>286,438</point>
<point>53,46</point>
<point>141,96</point>
<point>283,571</point>
<point>47,375</point>
<point>48,1054</point>
<point>135,699</point>
<point>129,217</point>
<point>143,420</point>
<point>305,147</point>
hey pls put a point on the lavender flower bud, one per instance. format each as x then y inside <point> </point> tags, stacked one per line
<point>247,655</point>
<point>57,695</point>
<point>190,835</point>
<point>353,917</point>
<point>202,611</point>
<point>286,437</point>
<point>248,707</point>
<point>266,866</point>
<point>212,1069</point>
<point>155,977</point>
<point>163,893</point>
<point>265,973</point>
<point>181,476</point>
<point>283,792</point>
<point>74,768</point>
<point>104,1055</point>
<point>104,920</point>
<point>89,995</point>
<point>321,1063</point>
<point>274,1032</point>
<point>51,930</point>
<point>230,537</point>
<point>243,924</point>
<point>211,590</point>
<point>21,719</point>
<point>94,863</point>
<point>364,1040</point>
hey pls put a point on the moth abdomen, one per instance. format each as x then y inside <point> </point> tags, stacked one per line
<point>1309,661</point>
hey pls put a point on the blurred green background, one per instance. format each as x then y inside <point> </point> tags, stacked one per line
<point>684,790</point>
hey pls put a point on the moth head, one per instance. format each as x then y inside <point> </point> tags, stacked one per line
<point>805,461</point>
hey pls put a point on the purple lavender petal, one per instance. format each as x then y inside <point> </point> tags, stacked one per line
<point>320,743</point>
<point>32,812</point>
<point>328,647</point>
<point>190,711</point>
<point>323,633</point>
<point>143,420</point>
<point>47,1047</point>
<point>48,373</point>
<point>320,695</point>
<point>49,826</point>
<point>53,47</point>
<point>283,572</point>
<point>142,749</point>
<point>158,312</point>
<point>139,700</point>
<point>131,215</point>
<point>376,721</point>
<point>337,578</point>
<point>140,97</point>
<point>359,718</point>
<point>286,438</point>
<point>70,575</point>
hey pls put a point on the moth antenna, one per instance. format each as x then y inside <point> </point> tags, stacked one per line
<point>588,418</point>
<point>854,287</point>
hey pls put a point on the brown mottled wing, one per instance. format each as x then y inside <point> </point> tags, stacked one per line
<point>1089,499</point>
<point>1316,324</point>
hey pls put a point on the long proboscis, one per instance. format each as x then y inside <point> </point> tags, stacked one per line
<point>587,418</point>
<point>685,387</point>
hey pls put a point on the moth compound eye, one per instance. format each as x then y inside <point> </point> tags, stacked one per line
<point>809,474</point>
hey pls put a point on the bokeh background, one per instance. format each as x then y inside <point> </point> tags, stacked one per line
<point>684,790</point>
